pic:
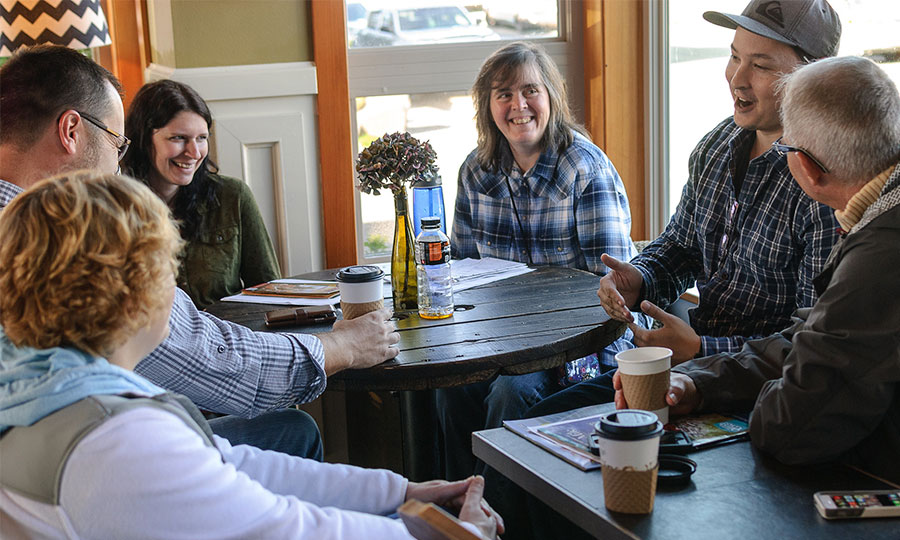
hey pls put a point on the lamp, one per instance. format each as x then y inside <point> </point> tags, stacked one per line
<point>78,24</point>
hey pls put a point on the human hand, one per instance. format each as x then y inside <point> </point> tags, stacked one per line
<point>620,288</point>
<point>675,334</point>
<point>476,510</point>
<point>441,492</point>
<point>682,397</point>
<point>359,343</point>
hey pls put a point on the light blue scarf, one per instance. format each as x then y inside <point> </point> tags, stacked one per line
<point>37,382</point>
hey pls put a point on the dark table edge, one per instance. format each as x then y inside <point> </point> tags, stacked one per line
<point>433,378</point>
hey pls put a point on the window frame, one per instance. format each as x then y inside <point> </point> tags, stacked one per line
<point>419,69</point>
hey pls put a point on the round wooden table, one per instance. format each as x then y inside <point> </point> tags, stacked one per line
<point>527,323</point>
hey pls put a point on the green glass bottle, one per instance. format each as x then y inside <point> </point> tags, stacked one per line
<point>403,260</point>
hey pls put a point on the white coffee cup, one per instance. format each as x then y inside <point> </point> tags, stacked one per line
<point>628,441</point>
<point>644,373</point>
<point>361,289</point>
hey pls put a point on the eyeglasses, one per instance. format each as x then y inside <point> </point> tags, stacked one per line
<point>783,149</point>
<point>121,141</point>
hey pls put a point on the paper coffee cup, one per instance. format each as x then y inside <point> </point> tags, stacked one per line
<point>361,290</point>
<point>628,441</point>
<point>644,372</point>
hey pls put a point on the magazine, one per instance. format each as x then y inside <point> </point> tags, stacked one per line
<point>295,290</point>
<point>526,428</point>
<point>566,434</point>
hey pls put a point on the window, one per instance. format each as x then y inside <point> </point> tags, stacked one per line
<point>417,79</point>
<point>698,98</point>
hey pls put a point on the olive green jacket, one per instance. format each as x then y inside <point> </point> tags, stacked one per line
<point>232,250</point>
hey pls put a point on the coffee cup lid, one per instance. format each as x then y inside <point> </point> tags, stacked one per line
<point>359,274</point>
<point>629,425</point>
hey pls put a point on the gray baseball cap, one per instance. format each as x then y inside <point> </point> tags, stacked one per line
<point>811,25</point>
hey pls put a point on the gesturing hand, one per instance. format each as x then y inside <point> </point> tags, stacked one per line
<point>674,334</point>
<point>620,288</point>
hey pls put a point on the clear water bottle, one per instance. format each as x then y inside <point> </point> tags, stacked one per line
<point>428,201</point>
<point>433,271</point>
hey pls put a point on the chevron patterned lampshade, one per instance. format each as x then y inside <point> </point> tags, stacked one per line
<point>79,24</point>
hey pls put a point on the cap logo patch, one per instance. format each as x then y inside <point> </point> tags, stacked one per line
<point>771,11</point>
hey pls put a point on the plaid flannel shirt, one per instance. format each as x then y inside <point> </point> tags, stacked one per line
<point>225,367</point>
<point>778,241</point>
<point>573,208</point>
<point>572,205</point>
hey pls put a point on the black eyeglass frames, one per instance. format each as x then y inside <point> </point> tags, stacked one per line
<point>783,149</point>
<point>121,141</point>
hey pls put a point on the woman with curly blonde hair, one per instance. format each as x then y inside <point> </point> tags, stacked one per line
<point>91,449</point>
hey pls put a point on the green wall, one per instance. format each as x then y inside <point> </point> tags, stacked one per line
<point>236,32</point>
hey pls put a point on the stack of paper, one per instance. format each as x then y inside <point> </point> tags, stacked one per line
<point>468,273</point>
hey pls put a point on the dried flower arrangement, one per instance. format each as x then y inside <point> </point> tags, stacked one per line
<point>393,160</point>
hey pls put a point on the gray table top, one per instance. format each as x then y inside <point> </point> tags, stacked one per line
<point>737,492</point>
<point>530,322</point>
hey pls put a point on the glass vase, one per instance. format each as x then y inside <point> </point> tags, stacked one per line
<point>403,260</point>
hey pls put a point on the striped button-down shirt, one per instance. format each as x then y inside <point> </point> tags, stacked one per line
<point>8,192</point>
<point>225,367</point>
<point>753,253</point>
<point>572,207</point>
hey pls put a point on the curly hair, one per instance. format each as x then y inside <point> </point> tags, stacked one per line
<point>154,106</point>
<point>85,257</point>
<point>503,66</point>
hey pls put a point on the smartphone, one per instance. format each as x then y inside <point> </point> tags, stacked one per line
<point>858,504</point>
<point>300,316</point>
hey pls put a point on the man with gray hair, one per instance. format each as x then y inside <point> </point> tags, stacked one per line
<point>828,387</point>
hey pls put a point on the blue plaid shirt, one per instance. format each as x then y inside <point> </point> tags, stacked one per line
<point>225,367</point>
<point>572,206</point>
<point>777,241</point>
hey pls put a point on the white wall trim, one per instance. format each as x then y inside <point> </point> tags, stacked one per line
<point>242,82</point>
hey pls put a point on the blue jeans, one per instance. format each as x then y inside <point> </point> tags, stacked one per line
<point>484,405</point>
<point>289,431</point>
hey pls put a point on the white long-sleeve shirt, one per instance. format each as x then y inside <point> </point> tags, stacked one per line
<point>145,474</point>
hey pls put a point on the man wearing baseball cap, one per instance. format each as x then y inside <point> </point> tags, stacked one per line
<point>743,231</point>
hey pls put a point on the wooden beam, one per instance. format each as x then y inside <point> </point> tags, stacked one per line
<point>127,57</point>
<point>614,94</point>
<point>335,151</point>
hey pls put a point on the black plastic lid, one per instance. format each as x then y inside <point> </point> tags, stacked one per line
<point>675,470</point>
<point>629,425</point>
<point>431,222</point>
<point>433,180</point>
<point>359,274</point>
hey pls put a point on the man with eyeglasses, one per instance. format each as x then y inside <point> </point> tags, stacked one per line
<point>59,111</point>
<point>743,231</point>
<point>828,387</point>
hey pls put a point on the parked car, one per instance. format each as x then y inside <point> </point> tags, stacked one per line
<point>522,14</point>
<point>357,15</point>
<point>421,24</point>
